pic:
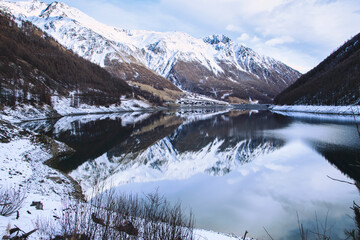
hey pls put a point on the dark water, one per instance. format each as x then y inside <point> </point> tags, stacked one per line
<point>237,170</point>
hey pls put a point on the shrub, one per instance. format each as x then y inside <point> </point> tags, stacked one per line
<point>11,200</point>
<point>120,216</point>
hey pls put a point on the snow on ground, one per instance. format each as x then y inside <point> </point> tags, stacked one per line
<point>23,112</point>
<point>326,113</point>
<point>191,98</point>
<point>210,235</point>
<point>21,167</point>
<point>321,116</point>
<point>345,110</point>
<point>64,106</point>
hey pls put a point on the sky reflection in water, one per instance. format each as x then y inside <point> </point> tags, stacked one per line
<point>267,192</point>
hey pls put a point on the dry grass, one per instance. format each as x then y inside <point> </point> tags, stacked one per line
<point>235,100</point>
<point>166,94</point>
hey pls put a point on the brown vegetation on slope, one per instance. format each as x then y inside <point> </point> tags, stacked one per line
<point>232,85</point>
<point>152,85</point>
<point>33,66</point>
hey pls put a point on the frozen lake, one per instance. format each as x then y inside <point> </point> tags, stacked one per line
<point>237,170</point>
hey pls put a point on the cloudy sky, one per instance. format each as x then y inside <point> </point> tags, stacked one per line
<point>300,33</point>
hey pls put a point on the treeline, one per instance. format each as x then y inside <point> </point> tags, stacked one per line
<point>33,66</point>
<point>335,81</point>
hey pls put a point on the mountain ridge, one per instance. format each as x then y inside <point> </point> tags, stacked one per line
<point>222,69</point>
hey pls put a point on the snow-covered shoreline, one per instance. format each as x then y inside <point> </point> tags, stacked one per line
<point>340,110</point>
<point>61,107</point>
<point>22,157</point>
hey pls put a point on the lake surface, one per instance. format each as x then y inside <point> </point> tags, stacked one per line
<point>237,170</point>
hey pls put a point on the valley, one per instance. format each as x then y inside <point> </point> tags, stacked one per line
<point>108,132</point>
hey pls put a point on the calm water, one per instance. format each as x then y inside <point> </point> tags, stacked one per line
<point>237,170</point>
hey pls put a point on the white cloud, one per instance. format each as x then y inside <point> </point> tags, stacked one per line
<point>255,39</point>
<point>295,58</point>
<point>243,37</point>
<point>279,40</point>
<point>233,28</point>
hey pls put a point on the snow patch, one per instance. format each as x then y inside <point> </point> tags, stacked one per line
<point>24,112</point>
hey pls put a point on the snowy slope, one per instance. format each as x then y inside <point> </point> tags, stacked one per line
<point>21,161</point>
<point>225,65</point>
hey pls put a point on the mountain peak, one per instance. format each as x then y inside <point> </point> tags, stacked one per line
<point>54,8</point>
<point>216,39</point>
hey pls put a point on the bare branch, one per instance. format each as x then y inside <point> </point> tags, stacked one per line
<point>267,234</point>
<point>340,180</point>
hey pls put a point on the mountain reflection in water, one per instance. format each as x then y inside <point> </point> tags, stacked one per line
<point>271,166</point>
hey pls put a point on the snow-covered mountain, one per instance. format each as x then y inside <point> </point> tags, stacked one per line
<point>39,78</point>
<point>215,66</point>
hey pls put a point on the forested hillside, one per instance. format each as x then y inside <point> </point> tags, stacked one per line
<point>335,81</point>
<point>33,67</point>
